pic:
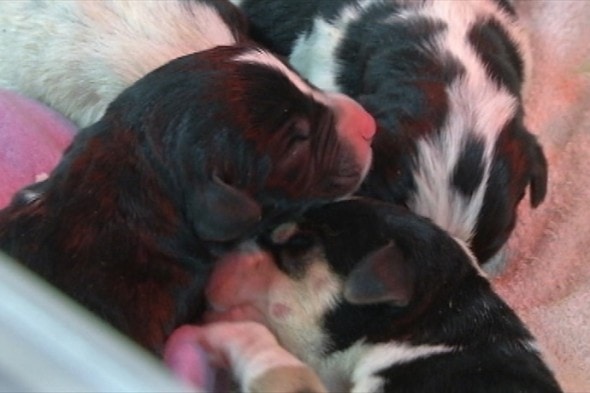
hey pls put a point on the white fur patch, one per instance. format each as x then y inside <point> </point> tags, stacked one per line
<point>355,368</point>
<point>266,59</point>
<point>477,107</point>
<point>314,55</point>
<point>269,60</point>
<point>337,370</point>
<point>315,60</point>
<point>77,56</point>
<point>309,299</point>
<point>386,355</point>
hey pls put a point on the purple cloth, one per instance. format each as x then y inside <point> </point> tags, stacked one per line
<point>32,140</point>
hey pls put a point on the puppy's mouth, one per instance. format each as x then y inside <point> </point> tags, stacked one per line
<point>356,129</point>
<point>343,150</point>
<point>350,172</point>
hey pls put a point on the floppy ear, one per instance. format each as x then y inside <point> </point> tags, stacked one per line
<point>382,277</point>
<point>223,213</point>
<point>538,180</point>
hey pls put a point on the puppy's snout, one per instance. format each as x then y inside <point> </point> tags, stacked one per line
<point>352,119</point>
<point>355,128</point>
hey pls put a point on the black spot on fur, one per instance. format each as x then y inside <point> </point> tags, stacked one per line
<point>277,25</point>
<point>404,86</point>
<point>469,171</point>
<point>409,50</point>
<point>499,54</point>
<point>506,5</point>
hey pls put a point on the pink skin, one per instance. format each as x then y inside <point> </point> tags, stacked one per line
<point>246,349</point>
<point>189,358</point>
<point>353,119</point>
<point>355,125</point>
<point>239,286</point>
<point>192,351</point>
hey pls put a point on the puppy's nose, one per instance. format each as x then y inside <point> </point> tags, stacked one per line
<point>352,118</point>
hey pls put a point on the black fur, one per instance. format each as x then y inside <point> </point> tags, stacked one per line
<point>436,297</point>
<point>500,55</point>
<point>200,153</point>
<point>396,69</point>
<point>468,171</point>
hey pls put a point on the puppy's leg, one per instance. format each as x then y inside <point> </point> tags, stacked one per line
<point>250,351</point>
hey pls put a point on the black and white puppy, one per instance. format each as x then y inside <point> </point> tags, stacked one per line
<point>199,153</point>
<point>77,56</point>
<point>445,81</point>
<point>377,299</point>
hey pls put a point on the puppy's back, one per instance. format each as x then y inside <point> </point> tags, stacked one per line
<point>77,56</point>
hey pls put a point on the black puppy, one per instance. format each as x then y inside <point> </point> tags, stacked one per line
<point>444,80</point>
<point>376,299</point>
<point>199,152</point>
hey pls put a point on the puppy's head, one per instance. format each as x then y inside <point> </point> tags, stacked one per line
<point>343,273</point>
<point>519,165</point>
<point>240,136</point>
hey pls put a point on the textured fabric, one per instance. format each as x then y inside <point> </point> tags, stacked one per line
<point>32,139</point>
<point>547,276</point>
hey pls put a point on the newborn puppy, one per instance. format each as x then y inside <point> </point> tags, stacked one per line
<point>77,56</point>
<point>445,81</point>
<point>377,299</point>
<point>197,154</point>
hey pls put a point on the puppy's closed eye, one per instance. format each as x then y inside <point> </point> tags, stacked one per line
<point>293,248</point>
<point>299,130</point>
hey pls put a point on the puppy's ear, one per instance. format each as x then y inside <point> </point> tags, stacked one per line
<point>538,179</point>
<point>385,276</point>
<point>224,213</point>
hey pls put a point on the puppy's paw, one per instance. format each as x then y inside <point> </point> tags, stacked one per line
<point>248,349</point>
<point>289,379</point>
<point>188,358</point>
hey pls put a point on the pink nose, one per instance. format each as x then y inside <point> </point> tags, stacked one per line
<point>353,119</point>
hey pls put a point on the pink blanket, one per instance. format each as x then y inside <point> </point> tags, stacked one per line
<point>32,139</point>
<point>547,279</point>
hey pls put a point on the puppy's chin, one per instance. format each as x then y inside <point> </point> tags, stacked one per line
<point>356,129</point>
<point>365,161</point>
<point>354,173</point>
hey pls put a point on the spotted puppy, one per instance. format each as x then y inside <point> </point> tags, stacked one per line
<point>376,299</point>
<point>199,153</point>
<point>445,81</point>
<point>77,56</point>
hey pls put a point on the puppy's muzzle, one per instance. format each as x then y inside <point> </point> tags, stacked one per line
<point>355,126</point>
